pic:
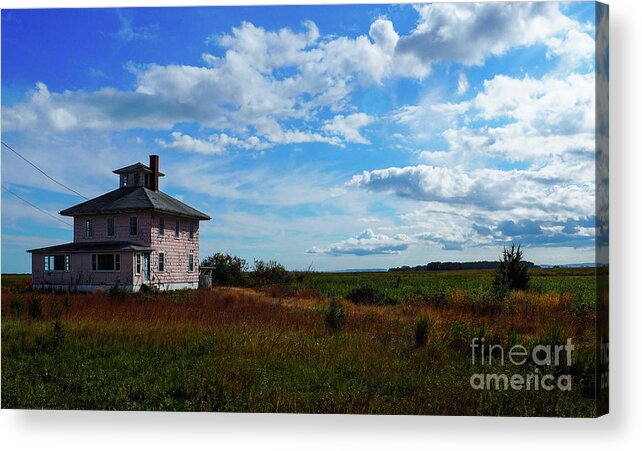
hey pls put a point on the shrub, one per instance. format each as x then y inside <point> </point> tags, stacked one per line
<point>118,292</point>
<point>365,294</point>
<point>278,291</point>
<point>17,306</point>
<point>66,303</point>
<point>55,309</point>
<point>422,328</point>
<point>59,332</point>
<point>511,274</point>
<point>35,308</point>
<point>227,269</point>
<point>334,316</point>
<point>270,273</point>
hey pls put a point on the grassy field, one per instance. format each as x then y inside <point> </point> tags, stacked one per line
<point>240,349</point>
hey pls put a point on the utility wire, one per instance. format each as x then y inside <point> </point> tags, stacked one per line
<point>43,172</point>
<point>36,207</point>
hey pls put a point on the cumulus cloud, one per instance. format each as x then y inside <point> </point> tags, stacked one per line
<point>470,32</point>
<point>573,49</point>
<point>365,243</point>
<point>348,127</point>
<point>512,193</point>
<point>265,79</point>
<point>213,145</point>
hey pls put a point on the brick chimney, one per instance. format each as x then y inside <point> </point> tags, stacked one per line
<point>153,165</point>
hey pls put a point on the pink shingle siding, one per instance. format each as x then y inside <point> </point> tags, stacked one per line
<point>176,251</point>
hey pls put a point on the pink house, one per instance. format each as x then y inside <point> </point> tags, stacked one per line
<point>128,237</point>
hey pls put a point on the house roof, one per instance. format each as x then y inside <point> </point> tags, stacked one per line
<point>136,167</point>
<point>96,246</point>
<point>140,198</point>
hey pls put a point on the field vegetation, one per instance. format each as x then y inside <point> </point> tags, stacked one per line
<point>386,343</point>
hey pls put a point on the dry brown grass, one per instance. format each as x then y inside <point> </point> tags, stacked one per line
<point>526,314</point>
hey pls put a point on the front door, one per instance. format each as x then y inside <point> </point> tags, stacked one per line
<point>146,267</point>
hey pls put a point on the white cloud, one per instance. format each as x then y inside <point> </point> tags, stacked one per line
<point>470,32</point>
<point>573,49</point>
<point>213,145</point>
<point>365,243</point>
<point>509,194</point>
<point>349,127</point>
<point>462,84</point>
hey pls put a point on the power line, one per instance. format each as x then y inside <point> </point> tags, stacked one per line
<point>36,207</point>
<point>43,172</point>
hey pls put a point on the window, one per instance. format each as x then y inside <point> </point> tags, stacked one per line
<point>105,262</point>
<point>136,179</point>
<point>133,225</point>
<point>191,230</point>
<point>161,226</point>
<point>161,261</point>
<point>57,262</point>
<point>125,179</point>
<point>89,228</point>
<point>190,262</point>
<point>111,226</point>
<point>147,180</point>
<point>138,263</point>
<point>177,228</point>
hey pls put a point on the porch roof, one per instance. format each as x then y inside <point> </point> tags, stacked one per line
<point>96,246</point>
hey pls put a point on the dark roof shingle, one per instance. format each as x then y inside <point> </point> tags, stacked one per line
<point>96,246</point>
<point>136,167</point>
<point>125,200</point>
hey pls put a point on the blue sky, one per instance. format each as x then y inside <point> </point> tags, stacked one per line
<point>346,136</point>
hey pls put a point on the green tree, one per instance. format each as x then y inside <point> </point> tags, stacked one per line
<point>512,273</point>
<point>226,269</point>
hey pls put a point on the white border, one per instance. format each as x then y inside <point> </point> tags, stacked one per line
<point>619,430</point>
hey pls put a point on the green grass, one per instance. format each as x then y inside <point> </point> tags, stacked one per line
<point>415,286</point>
<point>241,369</point>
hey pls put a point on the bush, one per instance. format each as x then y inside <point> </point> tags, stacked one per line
<point>270,273</point>
<point>334,317</point>
<point>422,328</point>
<point>227,269</point>
<point>17,306</point>
<point>118,292</point>
<point>55,309</point>
<point>512,273</point>
<point>66,302</point>
<point>59,332</point>
<point>368,295</point>
<point>35,308</point>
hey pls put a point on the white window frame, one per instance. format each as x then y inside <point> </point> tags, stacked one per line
<point>89,227</point>
<point>138,263</point>
<point>161,226</point>
<point>161,257</point>
<point>191,230</point>
<point>50,263</point>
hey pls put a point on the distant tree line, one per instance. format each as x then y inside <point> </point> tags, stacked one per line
<point>452,266</point>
